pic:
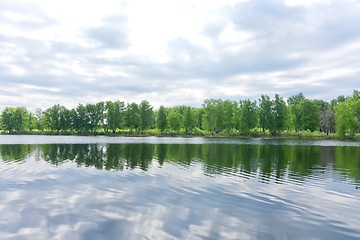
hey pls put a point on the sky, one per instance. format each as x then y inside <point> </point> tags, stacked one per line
<point>177,52</point>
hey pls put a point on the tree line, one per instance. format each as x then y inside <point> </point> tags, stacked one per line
<point>245,117</point>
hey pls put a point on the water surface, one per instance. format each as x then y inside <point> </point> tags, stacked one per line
<point>178,188</point>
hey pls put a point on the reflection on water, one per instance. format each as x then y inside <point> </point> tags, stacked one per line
<point>265,161</point>
<point>179,191</point>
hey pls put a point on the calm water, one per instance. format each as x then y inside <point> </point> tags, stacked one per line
<point>178,188</point>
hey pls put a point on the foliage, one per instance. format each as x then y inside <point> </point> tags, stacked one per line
<point>174,121</point>
<point>133,117</point>
<point>216,117</point>
<point>189,120</point>
<point>146,115</point>
<point>161,119</point>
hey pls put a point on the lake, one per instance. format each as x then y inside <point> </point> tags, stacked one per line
<point>68,187</point>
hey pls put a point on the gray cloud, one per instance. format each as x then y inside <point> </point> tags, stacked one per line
<point>289,50</point>
<point>112,34</point>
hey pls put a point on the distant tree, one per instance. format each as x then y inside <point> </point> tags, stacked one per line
<point>80,119</point>
<point>40,120</point>
<point>294,111</point>
<point>345,120</point>
<point>161,119</point>
<point>189,120</point>
<point>53,117</point>
<point>339,99</point>
<point>309,115</point>
<point>146,114</point>
<point>327,119</point>
<point>174,121</point>
<point>20,119</point>
<point>229,108</point>
<point>95,115</point>
<point>114,114</point>
<point>199,112</point>
<point>213,117</point>
<point>32,121</point>
<point>247,117</point>
<point>133,117</point>
<point>272,114</point>
<point>7,119</point>
<point>266,115</point>
<point>280,111</point>
<point>295,99</point>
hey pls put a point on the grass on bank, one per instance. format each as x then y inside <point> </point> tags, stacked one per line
<point>253,133</point>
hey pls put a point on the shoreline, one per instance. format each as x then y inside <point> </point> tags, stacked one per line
<point>214,135</point>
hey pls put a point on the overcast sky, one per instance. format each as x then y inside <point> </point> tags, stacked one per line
<point>174,52</point>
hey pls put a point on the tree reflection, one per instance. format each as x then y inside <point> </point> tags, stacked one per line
<point>16,152</point>
<point>265,162</point>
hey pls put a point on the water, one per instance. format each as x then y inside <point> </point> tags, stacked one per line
<point>178,188</point>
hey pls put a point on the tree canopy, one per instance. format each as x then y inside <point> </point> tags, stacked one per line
<point>245,117</point>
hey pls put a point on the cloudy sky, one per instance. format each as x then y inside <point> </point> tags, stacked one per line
<point>176,52</point>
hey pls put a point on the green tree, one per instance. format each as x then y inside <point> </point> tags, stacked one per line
<point>40,119</point>
<point>80,118</point>
<point>280,111</point>
<point>266,115</point>
<point>213,118</point>
<point>20,119</point>
<point>32,121</point>
<point>114,114</point>
<point>247,117</point>
<point>133,117</point>
<point>7,119</point>
<point>229,108</point>
<point>174,121</point>
<point>189,120</point>
<point>146,114</point>
<point>309,113</point>
<point>345,120</point>
<point>294,113</point>
<point>95,115</point>
<point>161,119</point>
<point>53,117</point>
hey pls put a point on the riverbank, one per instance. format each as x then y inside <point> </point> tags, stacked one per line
<point>284,135</point>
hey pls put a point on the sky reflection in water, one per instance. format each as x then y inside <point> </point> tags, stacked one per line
<point>179,191</point>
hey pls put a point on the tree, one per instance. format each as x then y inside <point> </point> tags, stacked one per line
<point>213,118</point>
<point>266,115</point>
<point>95,115</point>
<point>272,114</point>
<point>7,119</point>
<point>339,99</point>
<point>294,113</point>
<point>327,119</point>
<point>280,111</point>
<point>174,121</point>
<point>80,118</point>
<point>20,119</point>
<point>229,111</point>
<point>147,115</point>
<point>247,117</point>
<point>309,115</point>
<point>32,121</point>
<point>133,117</point>
<point>189,120</point>
<point>114,115</point>
<point>161,119</point>
<point>40,119</point>
<point>53,117</point>
<point>345,120</point>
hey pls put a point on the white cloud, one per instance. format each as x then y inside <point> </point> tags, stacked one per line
<point>178,52</point>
